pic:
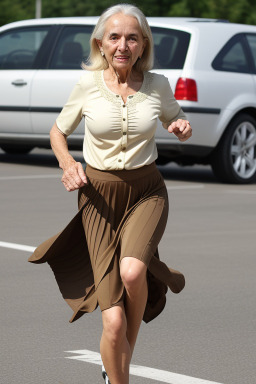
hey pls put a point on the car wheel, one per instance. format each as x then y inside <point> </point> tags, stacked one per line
<point>11,150</point>
<point>234,160</point>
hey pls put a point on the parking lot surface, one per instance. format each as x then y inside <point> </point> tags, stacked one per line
<point>206,334</point>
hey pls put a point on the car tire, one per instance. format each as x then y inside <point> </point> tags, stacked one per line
<point>234,159</point>
<point>162,160</point>
<point>11,150</point>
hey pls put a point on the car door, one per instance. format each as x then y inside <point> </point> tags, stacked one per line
<point>18,52</point>
<point>52,86</point>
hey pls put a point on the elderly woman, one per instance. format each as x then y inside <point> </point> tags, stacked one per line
<point>107,255</point>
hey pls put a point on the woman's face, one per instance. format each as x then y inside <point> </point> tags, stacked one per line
<point>122,42</point>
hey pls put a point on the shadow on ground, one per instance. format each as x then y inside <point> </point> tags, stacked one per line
<point>38,157</point>
<point>195,174</point>
<point>171,171</point>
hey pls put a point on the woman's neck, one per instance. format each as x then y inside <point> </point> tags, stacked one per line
<point>122,77</point>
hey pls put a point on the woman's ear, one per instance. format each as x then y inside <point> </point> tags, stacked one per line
<point>145,42</point>
<point>99,43</point>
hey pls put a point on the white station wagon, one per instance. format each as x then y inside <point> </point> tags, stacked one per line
<point>211,66</point>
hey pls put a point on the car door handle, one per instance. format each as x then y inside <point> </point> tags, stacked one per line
<point>19,83</point>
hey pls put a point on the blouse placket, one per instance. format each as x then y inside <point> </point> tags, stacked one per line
<point>118,101</point>
<point>124,133</point>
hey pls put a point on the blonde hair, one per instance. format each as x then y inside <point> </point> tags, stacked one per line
<point>97,62</point>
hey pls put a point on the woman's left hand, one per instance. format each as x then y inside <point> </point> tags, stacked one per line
<point>181,129</point>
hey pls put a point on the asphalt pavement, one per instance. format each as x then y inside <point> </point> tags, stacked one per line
<point>206,334</point>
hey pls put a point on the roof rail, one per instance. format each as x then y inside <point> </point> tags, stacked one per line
<point>209,21</point>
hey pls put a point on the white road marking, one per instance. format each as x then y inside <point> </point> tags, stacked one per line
<point>197,186</point>
<point>30,177</point>
<point>20,247</point>
<point>138,370</point>
<point>243,191</point>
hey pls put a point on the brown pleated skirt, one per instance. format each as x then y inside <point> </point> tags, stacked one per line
<point>121,213</point>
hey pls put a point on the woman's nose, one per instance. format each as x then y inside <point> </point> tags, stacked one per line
<point>122,44</point>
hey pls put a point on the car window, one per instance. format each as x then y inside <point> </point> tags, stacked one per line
<point>73,48</point>
<point>232,57</point>
<point>170,48</point>
<point>252,44</point>
<point>19,47</point>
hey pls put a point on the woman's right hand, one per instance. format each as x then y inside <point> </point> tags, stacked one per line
<point>73,176</point>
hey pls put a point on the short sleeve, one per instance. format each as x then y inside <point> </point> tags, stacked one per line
<point>72,112</point>
<point>170,109</point>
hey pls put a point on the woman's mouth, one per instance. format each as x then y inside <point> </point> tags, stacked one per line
<point>122,58</point>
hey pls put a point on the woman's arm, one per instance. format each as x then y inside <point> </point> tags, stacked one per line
<point>171,115</point>
<point>73,174</point>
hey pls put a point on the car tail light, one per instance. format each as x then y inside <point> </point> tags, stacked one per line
<point>186,89</point>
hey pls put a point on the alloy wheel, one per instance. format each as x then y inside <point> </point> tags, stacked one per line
<point>243,150</point>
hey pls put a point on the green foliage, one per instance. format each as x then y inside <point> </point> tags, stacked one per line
<point>239,11</point>
<point>16,10</point>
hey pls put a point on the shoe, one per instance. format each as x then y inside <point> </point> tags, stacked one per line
<point>105,376</point>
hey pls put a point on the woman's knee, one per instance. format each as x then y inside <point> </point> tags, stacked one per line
<point>114,324</point>
<point>133,273</point>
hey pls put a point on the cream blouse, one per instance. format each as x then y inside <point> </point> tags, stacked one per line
<point>119,135</point>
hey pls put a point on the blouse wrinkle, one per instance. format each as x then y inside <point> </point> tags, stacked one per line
<point>124,131</point>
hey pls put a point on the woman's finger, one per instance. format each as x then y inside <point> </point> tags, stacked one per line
<point>178,126</point>
<point>81,173</point>
<point>74,177</point>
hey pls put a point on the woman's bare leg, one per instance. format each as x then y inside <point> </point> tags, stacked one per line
<point>114,347</point>
<point>121,327</point>
<point>133,273</point>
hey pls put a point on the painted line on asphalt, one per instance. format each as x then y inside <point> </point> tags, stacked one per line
<point>19,247</point>
<point>197,186</point>
<point>29,177</point>
<point>35,177</point>
<point>138,370</point>
<point>244,191</point>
